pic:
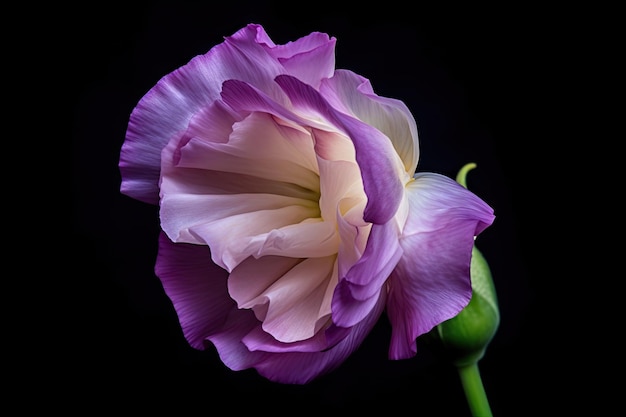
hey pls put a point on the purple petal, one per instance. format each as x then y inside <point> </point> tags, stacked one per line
<point>354,95</point>
<point>381,168</point>
<point>166,110</point>
<point>295,363</point>
<point>196,286</point>
<point>431,283</point>
<point>356,292</point>
<point>300,368</point>
<point>312,61</point>
<point>259,340</point>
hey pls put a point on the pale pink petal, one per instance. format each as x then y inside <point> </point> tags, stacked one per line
<point>432,280</point>
<point>342,198</point>
<point>233,221</point>
<point>240,219</point>
<point>253,276</point>
<point>257,146</point>
<point>213,123</point>
<point>181,212</point>
<point>204,181</point>
<point>333,146</point>
<point>291,300</point>
<point>310,238</point>
<point>354,232</point>
<point>340,180</point>
<point>326,333</point>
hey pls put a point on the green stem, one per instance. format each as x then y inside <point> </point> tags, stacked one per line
<point>474,390</point>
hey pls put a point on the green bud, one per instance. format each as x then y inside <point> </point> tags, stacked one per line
<point>466,336</point>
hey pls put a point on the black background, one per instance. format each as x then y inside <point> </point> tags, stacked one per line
<point>474,79</point>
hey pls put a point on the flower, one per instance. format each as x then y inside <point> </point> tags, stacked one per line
<point>291,214</point>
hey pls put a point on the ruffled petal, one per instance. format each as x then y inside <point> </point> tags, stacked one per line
<point>259,340</point>
<point>257,146</point>
<point>197,288</point>
<point>354,95</point>
<point>272,186</point>
<point>311,238</point>
<point>165,111</point>
<point>431,283</point>
<point>298,367</point>
<point>234,221</point>
<point>357,291</point>
<point>381,168</point>
<point>206,312</point>
<point>341,185</point>
<point>310,59</point>
<point>286,294</point>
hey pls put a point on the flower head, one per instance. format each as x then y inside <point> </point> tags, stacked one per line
<point>291,213</point>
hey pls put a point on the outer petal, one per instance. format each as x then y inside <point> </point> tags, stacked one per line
<point>432,280</point>
<point>310,59</point>
<point>293,367</point>
<point>165,111</point>
<point>354,95</point>
<point>197,288</point>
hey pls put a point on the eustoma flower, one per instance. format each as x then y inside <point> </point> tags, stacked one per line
<point>292,217</point>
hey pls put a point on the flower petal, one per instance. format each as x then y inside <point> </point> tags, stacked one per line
<point>381,168</point>
<point>357,291</point>
<point>310,59</point>
<point>301,367</point>
<point>196,286</point>
<point>431,283</point>
<point>282,190</point>
<point>233,221</point>
<point>259,340</point>
<point>165,111</point>
<point>291,302</point>
<point>354,94</point>
<point>257,146</point>
<point>311,238</point>
<point>206,312</point>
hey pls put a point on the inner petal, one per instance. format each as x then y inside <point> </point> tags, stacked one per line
<point>258,146</point>
<point>310,238</point>
<point>290,295</point>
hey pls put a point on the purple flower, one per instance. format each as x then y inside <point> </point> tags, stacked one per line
<point>291,214</point>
